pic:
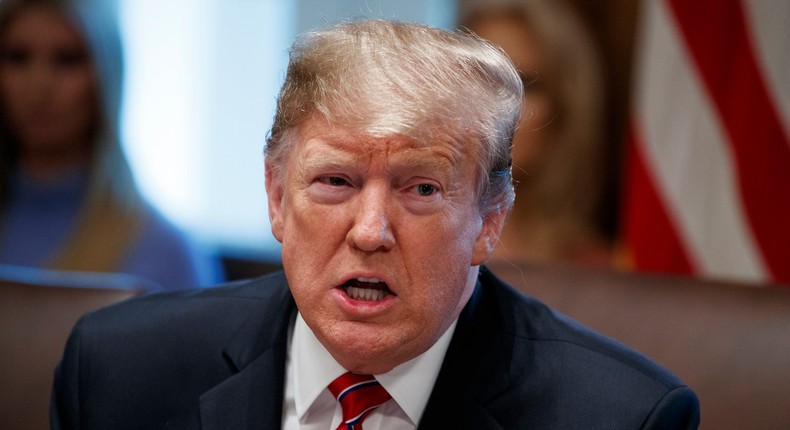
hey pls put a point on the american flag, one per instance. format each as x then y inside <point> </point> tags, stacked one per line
<point>707,180</point>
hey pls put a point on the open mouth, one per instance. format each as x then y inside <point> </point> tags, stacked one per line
<point>366,289</point>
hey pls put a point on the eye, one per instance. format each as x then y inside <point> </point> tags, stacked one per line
<point>70,58</point>
<point>422,197</point>
<point>16,56</point>
<point>334,181</point>
<point>330,189</point>
<point>426,189</point>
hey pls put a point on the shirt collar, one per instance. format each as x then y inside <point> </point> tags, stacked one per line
<point>410,384</point>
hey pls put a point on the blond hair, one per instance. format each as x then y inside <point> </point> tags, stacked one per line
<point>385,78</point>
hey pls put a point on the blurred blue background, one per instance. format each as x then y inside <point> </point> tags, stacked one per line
<point>202,79</point>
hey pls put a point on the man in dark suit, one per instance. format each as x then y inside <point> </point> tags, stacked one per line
<point>388,181</point>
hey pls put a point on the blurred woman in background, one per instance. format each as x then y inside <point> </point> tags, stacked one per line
<point>558,152</point>
<point>68,200</point>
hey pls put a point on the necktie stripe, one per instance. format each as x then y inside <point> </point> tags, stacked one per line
<point>361,416</point>
<point>354,387</point>
<point>359,395</point>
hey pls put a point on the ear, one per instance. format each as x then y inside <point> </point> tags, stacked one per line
<point>274,197</point>
<point>488,238</point>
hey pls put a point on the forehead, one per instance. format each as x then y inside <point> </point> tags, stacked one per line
<point>41,23</point>
<point>319,141</point>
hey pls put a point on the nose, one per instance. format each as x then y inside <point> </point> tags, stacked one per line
<point>40,78</point>
<point>372,229</point>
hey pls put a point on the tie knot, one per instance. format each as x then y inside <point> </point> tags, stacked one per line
<point>358,395</point>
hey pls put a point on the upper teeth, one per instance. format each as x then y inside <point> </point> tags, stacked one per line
<point>369,280</point>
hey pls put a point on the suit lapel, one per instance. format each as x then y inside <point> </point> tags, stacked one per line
<point>475,368</point>
<point>252,397</point>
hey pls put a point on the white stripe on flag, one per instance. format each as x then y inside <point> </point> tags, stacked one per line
<point>687,154</point>
<point>769,22</point>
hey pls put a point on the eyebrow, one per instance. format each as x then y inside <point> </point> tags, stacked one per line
<point>329,156</point>
<point>417,158</point>
<point>340,155</point>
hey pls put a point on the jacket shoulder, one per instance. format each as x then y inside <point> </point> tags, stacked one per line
<point>565,374</point>
<point>526,320</point>
<point>149,359</point>
<point>185,308</point>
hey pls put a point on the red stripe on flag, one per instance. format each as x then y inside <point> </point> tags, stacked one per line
<point>650,236</point>
<point>718,38</point>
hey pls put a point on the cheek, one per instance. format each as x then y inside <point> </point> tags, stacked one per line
<point>11,94</point>
<point>440,299</point>
<point>445,255</point>
<point>80,94</point>
<point>307,221</point>
<point>311,235</point>
<point>6,83</point>
<point>535,125</point>
<point>529,145</point>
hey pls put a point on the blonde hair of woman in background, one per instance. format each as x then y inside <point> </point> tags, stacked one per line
<point>558,151</point>
<point>68,200</point>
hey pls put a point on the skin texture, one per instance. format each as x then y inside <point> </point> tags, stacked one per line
<point>47,88</point>
<point>350,205</point>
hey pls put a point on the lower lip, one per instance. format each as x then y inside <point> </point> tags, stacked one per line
<point>363,307</point>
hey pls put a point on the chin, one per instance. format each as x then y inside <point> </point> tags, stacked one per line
<point>358,347</point>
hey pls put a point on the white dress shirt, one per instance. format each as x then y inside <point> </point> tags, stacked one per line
<point>310,369</point>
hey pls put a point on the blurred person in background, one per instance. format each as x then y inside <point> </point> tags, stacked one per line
<point>558,149</point>
<point>68,200</point>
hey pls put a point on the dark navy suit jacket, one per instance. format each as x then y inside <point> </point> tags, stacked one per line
<point>215,359</point>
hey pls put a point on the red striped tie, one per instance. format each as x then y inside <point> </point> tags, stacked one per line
<point>358,395</point>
